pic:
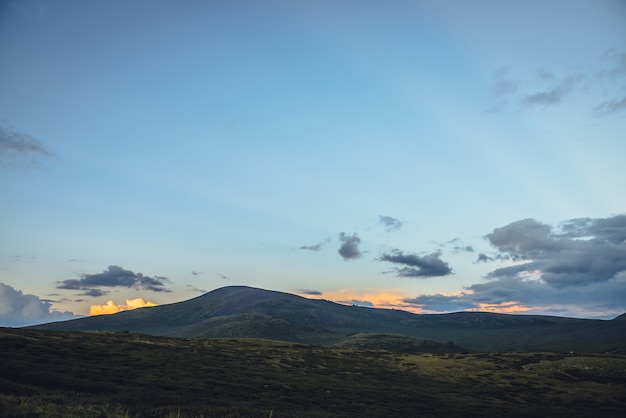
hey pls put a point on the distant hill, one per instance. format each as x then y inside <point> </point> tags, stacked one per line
<point>246,312</point>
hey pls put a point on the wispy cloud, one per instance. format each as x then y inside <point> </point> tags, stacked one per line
<point>555,94</point>
<point>349,249</point>
<point>18,309</point>
<point>615,64</point>
<point>193,288</point>
<point>610,106</point>
<point>609,77</point>
<point>115,276</point>
<point>308,292</point>
<point>430,265</point>
<point>457,245</point>
<point>20,150</point>
<point>390,224</point>
<point>315,247</point>
<point>503,84</point>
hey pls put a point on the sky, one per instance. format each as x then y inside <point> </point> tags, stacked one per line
<point>431,156</point>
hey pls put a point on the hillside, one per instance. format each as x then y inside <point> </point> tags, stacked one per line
<point>246,312</point>
<point>125,375</point>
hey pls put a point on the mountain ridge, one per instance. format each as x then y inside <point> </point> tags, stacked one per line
<point>248,312</point>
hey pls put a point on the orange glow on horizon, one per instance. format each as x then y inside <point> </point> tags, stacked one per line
<point>385,298</point>
<point>393,299</point>
<point>111,308</point>
<point>504,307</point>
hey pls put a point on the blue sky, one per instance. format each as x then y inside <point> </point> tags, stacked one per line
<point>429,156</point>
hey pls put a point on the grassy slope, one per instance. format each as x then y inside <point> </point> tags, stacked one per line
<point>46,373</point>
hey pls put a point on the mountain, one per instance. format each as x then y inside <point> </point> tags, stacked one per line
<point>246,312</point>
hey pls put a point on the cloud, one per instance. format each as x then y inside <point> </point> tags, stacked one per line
<point>308,292</point>
<point>579,253</point>
<point>390,224</point>
<point>93,293</point>
<point>616,60</point>
<point>196,273</point>
<point>503,84</point>
<point>19,310</point>
<point>349,249</point>
<point>458,246</point>
<point>483,258</point>
<point>577,268</point>
<point>193,288</point>
<point>415,266</point>
<point>513,295</point>
<point>111,308</point>
<point>610,106</point>
<point>378,298</point>
<point>544,74</point>
<point>18,150</point>
<point>315,247</point>
<point>554,95</point>
<point>442,303</point>
<point>115,276</point>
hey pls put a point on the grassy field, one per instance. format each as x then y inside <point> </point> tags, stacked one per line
<point>72,374</point>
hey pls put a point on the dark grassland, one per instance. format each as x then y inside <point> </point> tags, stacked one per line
<point>106,374</point>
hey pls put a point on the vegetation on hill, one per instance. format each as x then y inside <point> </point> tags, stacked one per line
<point>106,374</point>
<point>246,312</point>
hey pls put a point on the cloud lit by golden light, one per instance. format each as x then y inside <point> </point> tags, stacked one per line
<point>504,307</point>
<point>111,308</point>
<point>384,298</point>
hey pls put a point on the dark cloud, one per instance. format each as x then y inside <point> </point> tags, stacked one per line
<point>196,273</point>
<point>390,224</point>
<point>415,266</point>
<point>483,258</point>
<point>349,249</point>
<point>315,247</point>
<point>577,268</point>
<point>94,292</point>
<point>610,106</point>
<point>223,276</point>
<point>555,94</point>
<point>17,149</point>
<point>115,276</point>
<point>19,310</point>
<point>309,292</point>
<point>604,300</point>
<point>442,303</point>
<point>578,253</point>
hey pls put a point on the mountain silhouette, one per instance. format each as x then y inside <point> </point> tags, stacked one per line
<point>247,312</point>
